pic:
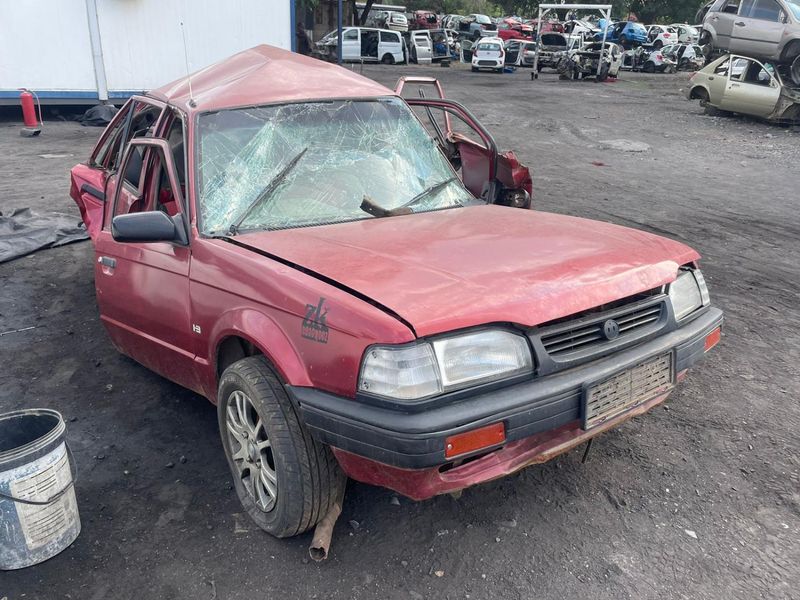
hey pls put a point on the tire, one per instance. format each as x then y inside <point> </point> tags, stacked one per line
<point>794,70</point>
<point>387,59</point>
<point>658,44</point>
<point>603,74</point>
<point>623,40</point>
<point>305,477</point>
<point>649,67</point>
<point>474,69</point>
<point>702,95</point>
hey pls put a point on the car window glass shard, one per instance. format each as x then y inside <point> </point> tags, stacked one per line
<point>355,149</point>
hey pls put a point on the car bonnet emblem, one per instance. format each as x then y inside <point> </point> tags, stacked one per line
<point>611,329</point>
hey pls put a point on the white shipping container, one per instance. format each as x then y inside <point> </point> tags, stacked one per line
<point>84,51</point>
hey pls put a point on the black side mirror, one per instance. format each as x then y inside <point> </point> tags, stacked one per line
<point>150,226</point>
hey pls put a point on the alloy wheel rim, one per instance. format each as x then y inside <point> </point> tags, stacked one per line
<point>251,450</point>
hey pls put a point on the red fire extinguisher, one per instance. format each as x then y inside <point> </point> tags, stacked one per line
<point>33,126</point>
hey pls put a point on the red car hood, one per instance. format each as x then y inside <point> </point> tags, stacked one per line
<point>456,268</point>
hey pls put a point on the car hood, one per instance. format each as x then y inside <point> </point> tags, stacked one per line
<point>552,41</point>
<point>456,268</point>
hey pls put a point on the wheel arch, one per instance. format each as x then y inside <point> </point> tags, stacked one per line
<point>239,334</point>
<point>698,91</point>
<point>790,50</point>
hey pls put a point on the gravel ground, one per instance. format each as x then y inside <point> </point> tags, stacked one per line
<point>699,499</point>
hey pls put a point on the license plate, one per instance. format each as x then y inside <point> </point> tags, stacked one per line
<point>623,391</point>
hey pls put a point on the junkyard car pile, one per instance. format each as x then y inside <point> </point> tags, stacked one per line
<point>752,49</point>
<point>759,72</point>
<point>241,252</point>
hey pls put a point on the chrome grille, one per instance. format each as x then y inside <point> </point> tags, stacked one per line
<point>627,390</point>
<point>584,335</point>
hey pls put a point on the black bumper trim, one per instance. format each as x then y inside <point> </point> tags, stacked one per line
<point>416,440</point>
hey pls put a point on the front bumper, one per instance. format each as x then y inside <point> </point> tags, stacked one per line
<point>487,63</point>
<point>407,442</point>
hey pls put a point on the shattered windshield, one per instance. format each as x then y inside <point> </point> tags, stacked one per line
<point>316,163</point>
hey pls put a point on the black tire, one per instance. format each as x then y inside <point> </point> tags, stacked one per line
<point>649,67</point>
<point>794,70</point>
<point>308,478</point>
<point>387,59</point>
<point>603,74</point>
<point>702,95</point>
<point>474,69</point>
<point>658,44</point>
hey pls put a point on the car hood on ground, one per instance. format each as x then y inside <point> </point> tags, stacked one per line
<point>461,267</point>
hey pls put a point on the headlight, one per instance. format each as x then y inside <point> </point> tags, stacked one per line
<point>688,293</point>
<point>425,369</point>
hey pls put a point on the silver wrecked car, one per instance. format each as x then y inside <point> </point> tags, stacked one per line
<point>764,29</point>
<point>745,85</point>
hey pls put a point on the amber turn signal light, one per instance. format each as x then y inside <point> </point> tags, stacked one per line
<point>483,437</point>
<point>712,339</point>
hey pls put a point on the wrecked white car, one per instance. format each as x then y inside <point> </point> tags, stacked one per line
<point>745,85</point>
<point>591,60</point>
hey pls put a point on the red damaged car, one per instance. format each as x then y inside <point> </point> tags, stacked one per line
<point>359,283</point>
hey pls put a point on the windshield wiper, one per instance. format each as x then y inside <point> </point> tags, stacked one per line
<point>369,206</point>
<point>271,187</point>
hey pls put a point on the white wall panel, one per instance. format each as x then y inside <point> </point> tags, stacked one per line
<point>142,44</point>
<point>44,45</point>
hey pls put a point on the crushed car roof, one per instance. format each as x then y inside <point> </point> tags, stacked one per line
<point>262,75</point>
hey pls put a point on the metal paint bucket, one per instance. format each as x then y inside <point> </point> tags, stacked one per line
<point>38,510</point>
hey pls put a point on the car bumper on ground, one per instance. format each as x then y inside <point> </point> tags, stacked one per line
<point>541,417</point>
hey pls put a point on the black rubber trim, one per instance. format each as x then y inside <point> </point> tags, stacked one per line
<point>93,191</point>
<point>416,439</point>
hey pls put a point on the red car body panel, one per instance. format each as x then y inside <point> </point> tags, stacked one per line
<point>561,265</point>
<point>175,307</point>
<point>263,75</point>
<point>236,291</point>
<point>425,19</point>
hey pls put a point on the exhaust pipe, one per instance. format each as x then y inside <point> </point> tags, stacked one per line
<point>323,532</point>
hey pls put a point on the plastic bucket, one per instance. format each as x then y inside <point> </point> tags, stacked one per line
<point>38,510</point>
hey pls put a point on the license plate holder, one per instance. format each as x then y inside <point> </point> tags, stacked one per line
<point>626,389</point>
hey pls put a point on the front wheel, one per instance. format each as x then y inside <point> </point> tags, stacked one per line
<point>285,479</point>
<point>387,59</point>
<point>649,67</point>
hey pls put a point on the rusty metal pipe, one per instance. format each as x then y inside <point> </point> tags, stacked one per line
<point>323,532</point>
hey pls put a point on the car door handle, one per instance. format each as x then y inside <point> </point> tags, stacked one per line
<point>107,262</point>
<point>740,23</point>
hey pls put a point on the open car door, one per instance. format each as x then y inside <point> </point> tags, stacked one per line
<point>497,178</point>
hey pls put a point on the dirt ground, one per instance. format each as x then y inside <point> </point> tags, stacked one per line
<point>699,499</point>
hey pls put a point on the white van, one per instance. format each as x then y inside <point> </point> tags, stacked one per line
<point>364,44</point>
